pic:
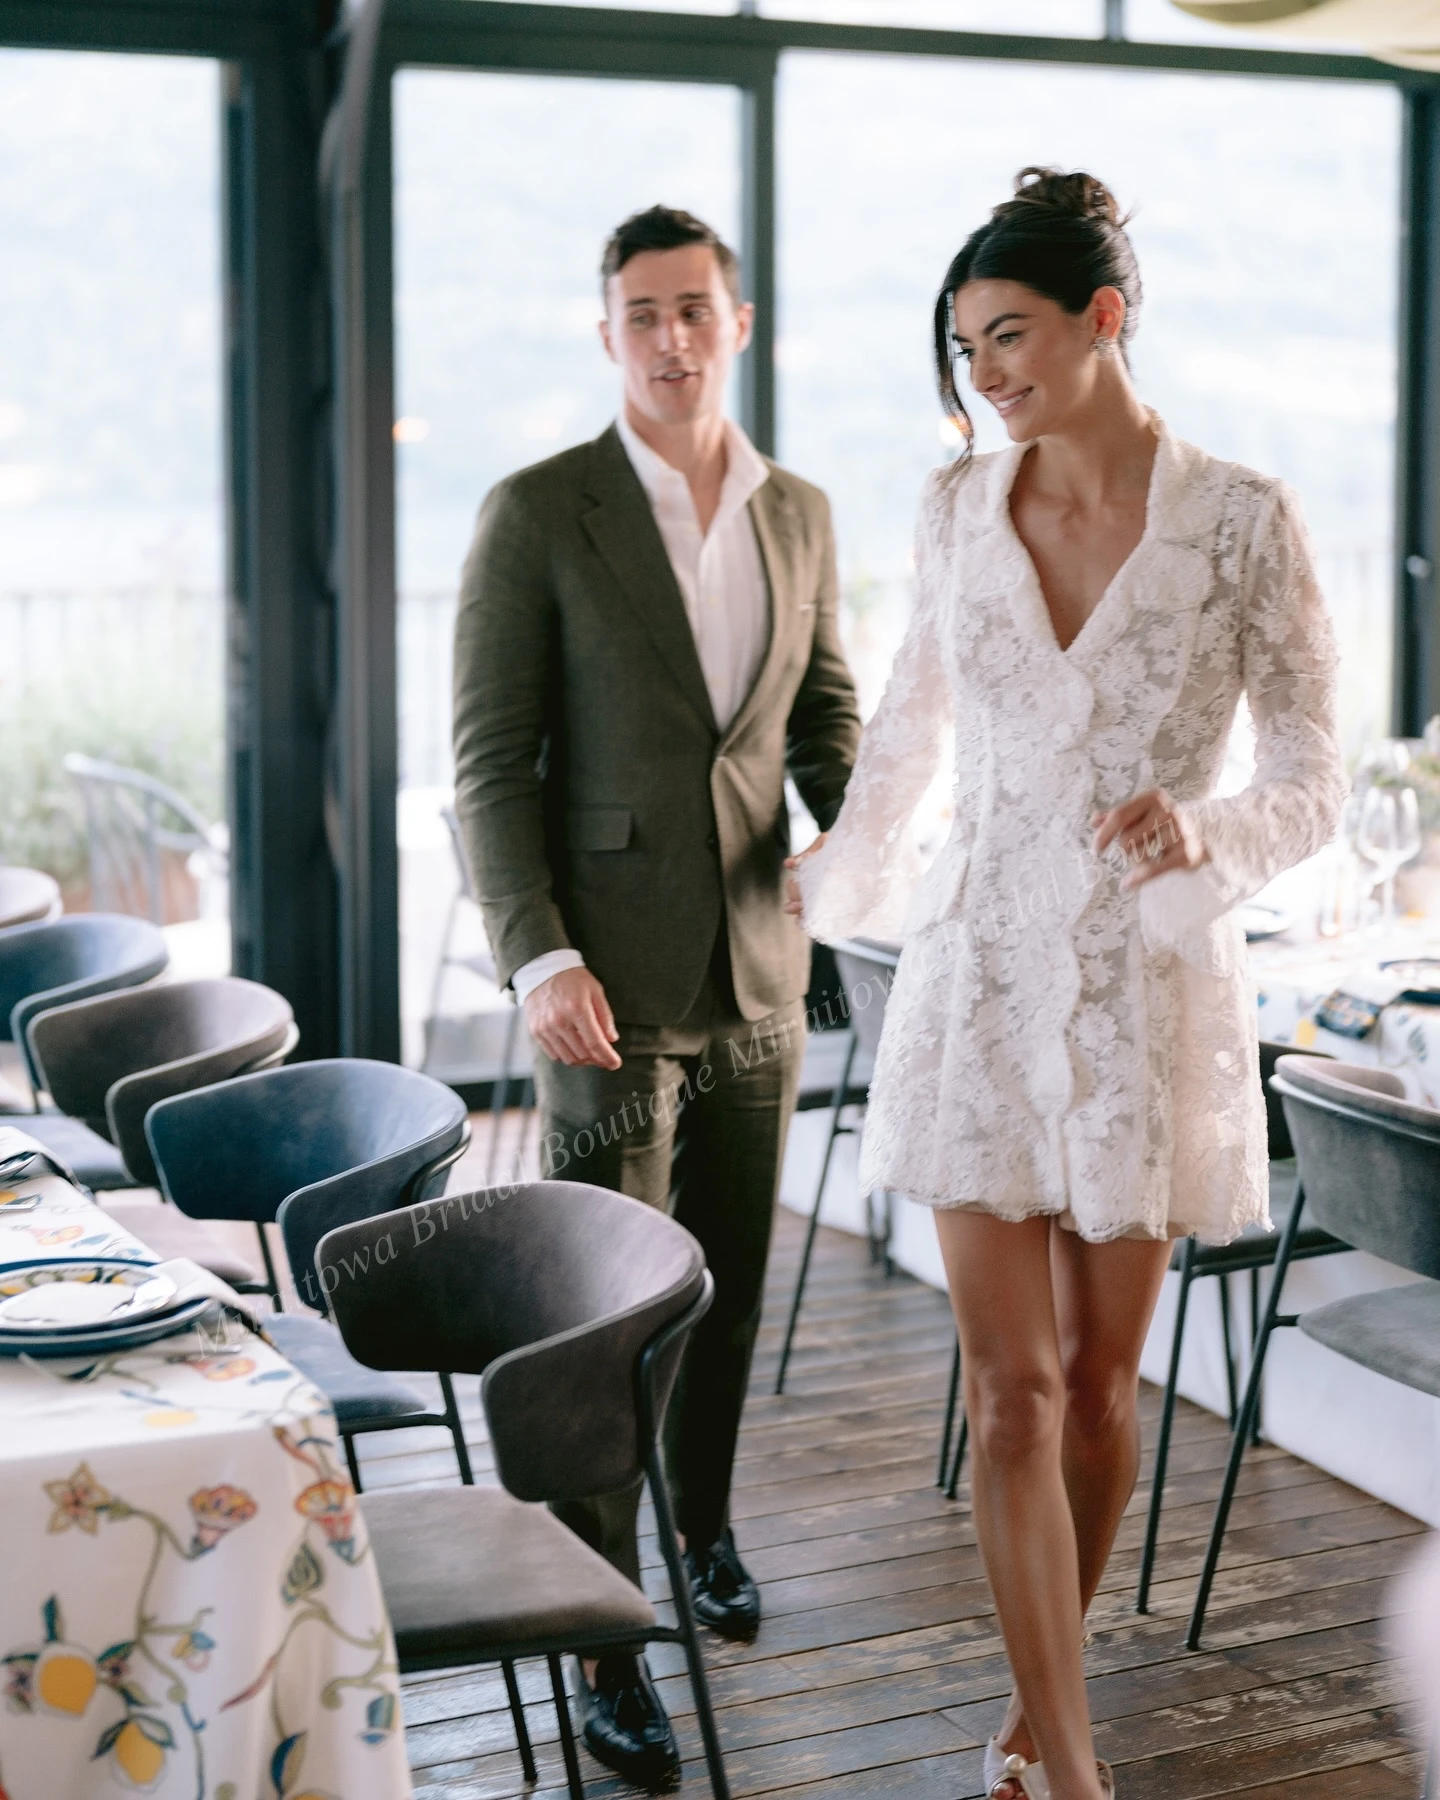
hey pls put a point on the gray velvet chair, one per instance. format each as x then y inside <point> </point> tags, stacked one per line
<point>864,968</point>
<point>573,1305</point>
<point>106,1061</point>
<point>1369,1174</point>
<point>71,958</point>
<point>1253,1251</point>
<point>315,1145</point>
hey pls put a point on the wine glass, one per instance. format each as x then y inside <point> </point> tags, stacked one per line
<point>1387,836</point>
<point>1344,885</point>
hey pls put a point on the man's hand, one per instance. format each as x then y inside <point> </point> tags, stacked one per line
<point>1155,835</point>
<point>794,904</point>
<point>570,1019</point>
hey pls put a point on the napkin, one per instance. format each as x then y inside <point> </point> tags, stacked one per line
<point>16,1145</point>
<point>191,1281</point>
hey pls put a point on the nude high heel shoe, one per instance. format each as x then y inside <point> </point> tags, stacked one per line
<point>1030,1777</point>
<point>1000,1768</point>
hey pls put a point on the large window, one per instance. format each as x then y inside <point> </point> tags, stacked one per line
<point>111,617</point>
<point>1266,216</point>
<point>505,190</point>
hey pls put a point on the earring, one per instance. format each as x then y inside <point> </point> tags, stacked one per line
<point>1104,346</point>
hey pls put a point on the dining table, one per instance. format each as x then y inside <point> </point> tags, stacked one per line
<point>190,1607</point>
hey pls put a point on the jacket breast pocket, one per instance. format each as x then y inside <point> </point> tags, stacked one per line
<point>601,827</point>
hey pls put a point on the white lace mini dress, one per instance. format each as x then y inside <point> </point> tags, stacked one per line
<point>1054,1044</point>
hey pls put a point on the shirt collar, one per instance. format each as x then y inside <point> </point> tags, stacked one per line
<point>746,470</point>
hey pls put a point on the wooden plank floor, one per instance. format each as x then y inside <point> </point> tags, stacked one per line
<point>878,1670</point>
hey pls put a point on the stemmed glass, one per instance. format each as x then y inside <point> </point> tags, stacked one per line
<point>1387,836</point>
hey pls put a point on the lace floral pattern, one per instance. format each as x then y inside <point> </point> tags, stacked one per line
<point>1052,1043</point>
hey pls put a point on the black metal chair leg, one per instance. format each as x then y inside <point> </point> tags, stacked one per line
<point>517,1714</point>
<point>272,1280</point>
<point>1227,1338</point>
<point>457,1430</point>
<point>685,1619</point>
<point>1167,1422</point>
<point>952,1487</point>
<point>352,1462</point>
<point>952,1395</point>
<point>567,1737</point>
<point>805,1254</point>
<point>1245,1423</point>
<point>1254,1339</point>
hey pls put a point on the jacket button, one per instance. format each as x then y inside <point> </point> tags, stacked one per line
<point>712,842</point>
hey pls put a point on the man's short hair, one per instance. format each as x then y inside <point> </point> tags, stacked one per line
<point>666,228</point>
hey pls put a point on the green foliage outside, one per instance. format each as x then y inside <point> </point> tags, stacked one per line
<point>172,732</point>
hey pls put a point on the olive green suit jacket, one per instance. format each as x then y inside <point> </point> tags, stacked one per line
<point>601,806</point>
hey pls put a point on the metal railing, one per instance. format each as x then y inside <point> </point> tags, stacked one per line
<point>125,635</point>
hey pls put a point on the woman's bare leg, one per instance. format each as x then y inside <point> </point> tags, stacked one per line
<point>1002,1292</point>
<point>1105,1295</point>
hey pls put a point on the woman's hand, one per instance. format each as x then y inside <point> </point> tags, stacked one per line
<point>1154,834</point>
<point>794,905</point>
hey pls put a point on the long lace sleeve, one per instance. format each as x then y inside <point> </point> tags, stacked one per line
<point>860,881</point>
<point>1292,806</point>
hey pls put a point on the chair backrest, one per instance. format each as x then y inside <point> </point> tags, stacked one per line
<point>1281,1149</point>
<point>27,895</point>
<point>315,1145</point>
<point>550,1291</point>
<point>1369,1159</point>
<point>130,818</point>
<point>867,970</point>
<point>108,1060</point>
<point>71,958</point>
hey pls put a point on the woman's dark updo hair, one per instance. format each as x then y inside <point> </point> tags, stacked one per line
<point>1061,235</point>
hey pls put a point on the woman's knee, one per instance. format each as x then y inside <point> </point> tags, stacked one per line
<point>1099,1398</point>
<point>1014,1415</point>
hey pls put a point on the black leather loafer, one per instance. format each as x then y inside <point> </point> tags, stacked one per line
<point>625,1726</point>
<point>724,1596</point>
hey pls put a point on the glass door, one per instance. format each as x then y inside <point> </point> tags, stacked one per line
<point>506,187</point>
<point>111,509</point>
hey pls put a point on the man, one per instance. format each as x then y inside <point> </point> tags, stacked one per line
<point>646,642</point>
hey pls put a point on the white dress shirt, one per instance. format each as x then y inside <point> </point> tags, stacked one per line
<point>721,578</point>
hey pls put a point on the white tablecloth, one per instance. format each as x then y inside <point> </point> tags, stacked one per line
<point>189,1606</point>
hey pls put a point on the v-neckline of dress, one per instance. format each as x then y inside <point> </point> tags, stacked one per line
<point>1045,619</point>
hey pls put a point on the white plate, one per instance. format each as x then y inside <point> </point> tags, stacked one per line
<point>62,1305</point>
<point>1263,921</point>
<point>104,1340</point>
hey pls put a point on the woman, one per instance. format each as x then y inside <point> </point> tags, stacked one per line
<point>1069,1071</point>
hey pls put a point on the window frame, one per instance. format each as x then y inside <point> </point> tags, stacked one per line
<point>312,718</point>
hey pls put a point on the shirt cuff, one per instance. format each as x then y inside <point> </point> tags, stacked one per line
<point>530,976</point>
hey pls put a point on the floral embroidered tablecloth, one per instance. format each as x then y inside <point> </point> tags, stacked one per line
<point>189,1606</point>
<point>1292,979</point>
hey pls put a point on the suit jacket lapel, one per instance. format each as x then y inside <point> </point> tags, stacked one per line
<point>775,524</point>
<point>623,530</point>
